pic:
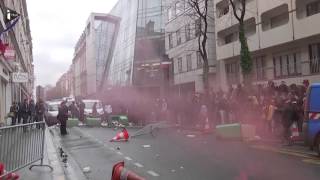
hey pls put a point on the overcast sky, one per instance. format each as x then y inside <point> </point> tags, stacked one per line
<point>56,26</point>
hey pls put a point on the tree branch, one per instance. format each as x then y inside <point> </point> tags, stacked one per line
<point>234,10</point>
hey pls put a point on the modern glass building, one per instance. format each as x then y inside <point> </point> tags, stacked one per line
<point>139,58</point>
<point>91,54</point>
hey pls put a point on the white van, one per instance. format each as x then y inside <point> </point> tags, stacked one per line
<point>89,104</point>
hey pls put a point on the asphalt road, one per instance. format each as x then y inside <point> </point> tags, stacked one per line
<point>180,155</point>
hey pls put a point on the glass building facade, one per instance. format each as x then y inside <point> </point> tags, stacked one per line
<point>121,66</point>
<point>140,46</point>
<point>104,32</point>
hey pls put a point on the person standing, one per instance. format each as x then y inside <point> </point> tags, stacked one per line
<point>107,110</point>
<point>82,106</point>
<point>14,113</point>
<point>63,117</point>
<point>25,113</point>
<point>19,116</point>
<point>94,109</point>
<point>164,110</point>
<point>32,111</point>
<point>74,110</point>
<point>39,110</point>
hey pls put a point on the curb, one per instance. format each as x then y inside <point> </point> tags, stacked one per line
<point>72,171</point>
<point>53,159</point>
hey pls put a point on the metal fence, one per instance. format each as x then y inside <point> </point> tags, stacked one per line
<point>22,145</point>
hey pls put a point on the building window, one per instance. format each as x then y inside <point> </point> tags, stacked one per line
<point>189,62</point>
<point>228,39</point>
<point>197,27</point>
<point>170,41</point>
<point>178,33</point>
<point>188,32</point>
<point>314,55</point>
<point>260,66</point>
<point>279,20</point>
<point>179,6</point>
<point>288,64</point>
<point>222,8</point>
<point>232,71</point>
<point>275,17</point>
<point>170,14</point>
<point>199,60</point>
<point>313,8</point>
<point>180,64</point>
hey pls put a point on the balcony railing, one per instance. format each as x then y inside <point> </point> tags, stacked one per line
<point>315,65</point>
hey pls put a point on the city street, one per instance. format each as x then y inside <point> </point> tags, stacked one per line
<point>175,154</point>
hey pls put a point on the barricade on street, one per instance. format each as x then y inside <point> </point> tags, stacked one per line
<point>21,146</point>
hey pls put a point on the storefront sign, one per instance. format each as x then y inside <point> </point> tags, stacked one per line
<point>20,77</point>
<point>10,54</point>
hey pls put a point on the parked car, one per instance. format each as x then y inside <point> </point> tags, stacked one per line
<point>89,105</point>
<point>312,117</point>
<point>52,112</point>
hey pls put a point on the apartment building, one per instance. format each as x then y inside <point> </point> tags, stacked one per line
<point>283,36</point>
<point>20,42</point>
<point>182,29</point>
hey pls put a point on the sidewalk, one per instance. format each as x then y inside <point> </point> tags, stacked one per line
<point>50,158</point>
<point>274,144</point>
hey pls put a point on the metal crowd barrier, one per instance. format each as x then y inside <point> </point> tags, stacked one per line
<point>21,146</point>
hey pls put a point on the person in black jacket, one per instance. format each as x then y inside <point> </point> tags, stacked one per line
<point>39,111</point>
<point>63,117</point>
<point>19,116</point>
<point>74,110</point>
<point>32,111</point>
<point>25,111</point>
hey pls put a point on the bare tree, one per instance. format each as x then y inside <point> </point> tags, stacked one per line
<point>200,11</point>
<point>239,11</point>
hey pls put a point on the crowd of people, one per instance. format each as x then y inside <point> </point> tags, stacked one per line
<point>272,108</point>
<point>27,112</point>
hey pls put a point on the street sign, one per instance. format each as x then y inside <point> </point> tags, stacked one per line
<point>10,54</point>
<point>20,77</point>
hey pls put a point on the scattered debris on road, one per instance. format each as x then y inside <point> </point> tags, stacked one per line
<point>86,169</point>
<point>191,135</point>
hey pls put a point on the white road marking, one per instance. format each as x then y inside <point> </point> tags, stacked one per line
<point>128,158</point>
<point>191,135</point>
<point>152,173</point>
<point>138,165</point>
<point>173,170</point>
<point>120,153</point>
<point>147,146</point>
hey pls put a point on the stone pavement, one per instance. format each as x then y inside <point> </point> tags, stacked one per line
<point>51,158</point>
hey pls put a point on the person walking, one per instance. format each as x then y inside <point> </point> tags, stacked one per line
<point>14,113</point>
<point>63,117</point>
